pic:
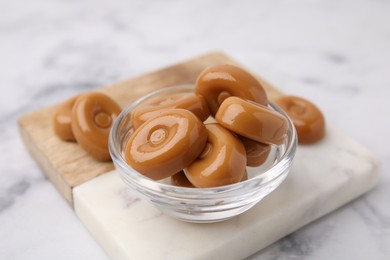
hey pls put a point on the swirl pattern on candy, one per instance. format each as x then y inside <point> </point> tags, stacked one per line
<point>219,82</point>
<point>307,118</point>
<point>166,143</point>
<point>87,119</point>
<point>92,117</point>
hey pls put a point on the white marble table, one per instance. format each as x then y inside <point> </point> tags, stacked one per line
<point>334,53</point>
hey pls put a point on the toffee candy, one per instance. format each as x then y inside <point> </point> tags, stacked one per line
<point>92,117</point>
<point>190,101</point>
<point>222,161</point>
<point>180,179</point>
<point>256,153</point>
<point>251,120</point>
<point>62,120</point>
<point>219,82</point>
<point>307,118</point>
<point>166,144</point>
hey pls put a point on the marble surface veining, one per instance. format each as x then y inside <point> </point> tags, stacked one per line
<point>127,226</point>
<point>336,53</point>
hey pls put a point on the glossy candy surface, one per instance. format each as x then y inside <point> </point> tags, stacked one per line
<point>165,144</point>
<point>92,117</point>
<point>190,101</point>
<point>256,153</point>
<point>219,82</point>
<point>307,118</point>
<point>251,120</point>
<point>62,120</point>
<point>222,161</point>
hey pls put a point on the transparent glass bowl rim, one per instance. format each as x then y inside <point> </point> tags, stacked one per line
<point>152,185</point>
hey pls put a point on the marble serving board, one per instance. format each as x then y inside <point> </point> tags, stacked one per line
<point>324,177</point>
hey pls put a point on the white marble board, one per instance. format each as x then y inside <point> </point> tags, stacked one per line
<point>324,177</point>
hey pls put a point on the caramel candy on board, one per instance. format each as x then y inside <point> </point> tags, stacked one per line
<point>307,118</point>
<point>222,161</point>
<point>256,153</point>
<point>165,144</point>
<point>190,101</point>
<point>251,120</point>
<point>92,117</point>
<point>62,120</point>
<point>219,82</point>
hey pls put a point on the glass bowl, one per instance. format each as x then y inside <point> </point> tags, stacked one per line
<point>201,204</point>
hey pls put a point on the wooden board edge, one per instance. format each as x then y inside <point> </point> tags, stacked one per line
<point>45,165</point>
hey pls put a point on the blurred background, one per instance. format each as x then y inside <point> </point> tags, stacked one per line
<point>335,53</point>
